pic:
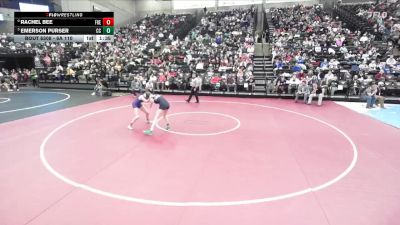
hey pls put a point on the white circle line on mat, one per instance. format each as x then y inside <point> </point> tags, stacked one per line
<point>67,96</point>
<point>199,203</point>
<point>202,134</point>
<point>4,100</point>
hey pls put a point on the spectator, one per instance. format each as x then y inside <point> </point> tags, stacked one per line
<point>293,83</point>
<point>231,83</point>
<point>280,85</point>
<point>34,77</point>
<point>316,92</point>
<point>136,86</point>
<point>302,89</point>
<point>98,89</point>
<point>380,99</point>
<point>391,61</point>
<point>370,96</point>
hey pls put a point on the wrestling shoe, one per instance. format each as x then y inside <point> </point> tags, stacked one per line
<point>148,132</point>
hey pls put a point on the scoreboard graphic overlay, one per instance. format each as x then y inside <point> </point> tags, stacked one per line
<point>63,26</point>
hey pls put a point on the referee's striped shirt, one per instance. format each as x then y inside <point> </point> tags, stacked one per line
<point>196,82</point>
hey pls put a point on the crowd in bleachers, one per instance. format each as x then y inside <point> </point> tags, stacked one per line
<point>311,46</point>
<point>135,48</point>
<point>134,45</point>
<point>166,51</point>
<point>47,58</point>
<point>219,50</point>
<point>10,80</point>
<point>383,17</point>
<point>158,52</point>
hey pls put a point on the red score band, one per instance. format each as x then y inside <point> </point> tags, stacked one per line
<point>108,21</point>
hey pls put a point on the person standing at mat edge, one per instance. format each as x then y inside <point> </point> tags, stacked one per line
<point>196,84</point>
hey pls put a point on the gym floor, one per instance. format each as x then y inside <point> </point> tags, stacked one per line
<point>72,160</point>
<point>30,102</point>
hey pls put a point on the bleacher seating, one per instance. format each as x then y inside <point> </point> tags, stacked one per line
<point>309,44</point>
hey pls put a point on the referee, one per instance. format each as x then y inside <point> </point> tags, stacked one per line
<point>196,84</point>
